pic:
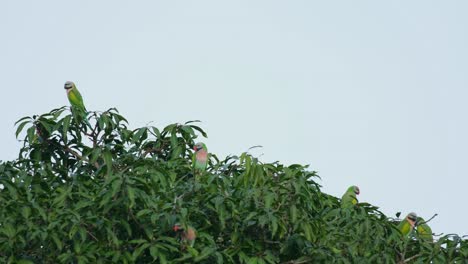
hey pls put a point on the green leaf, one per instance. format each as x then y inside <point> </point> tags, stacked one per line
<point>46,125</point>
<point>154,252</point>
<point>199,130</point>
<point>116,185</point>
<point>24,118</point>
<point>156,132</point>
<point>40,210</point>
<point>24,261</point>
<point>250,216</point>
<point>57,241</point>
<point>188,130</point>
<point>274,226</point>
<point>26,212</point>
<point>31,132</point>
<point>131,196</point>
<point>139,250</point>
<point>107,155</point>
<point>9,230</point>
<point>119,118</point>
<point>293,213</point>
<point>143,212</point>
<point>139,136</point>
<point>20,127</point>
<point>66,125</point>
<point>307,231</point>
<point>206,252</point>
<point>13,193</point>
<point>174,141</point>
<point>192,121</point>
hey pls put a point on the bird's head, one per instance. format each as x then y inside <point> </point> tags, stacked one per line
<point>177,228</point>
<point>412,216</point>
<point>353,189</point>
<point>356,190</point>
<point>69,85</point>
<point>199,146</point>
<point>420,221</point>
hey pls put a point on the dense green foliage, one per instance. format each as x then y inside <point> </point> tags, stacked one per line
<point>107,194</point>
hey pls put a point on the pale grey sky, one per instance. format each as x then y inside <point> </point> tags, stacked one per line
<point>371,93</point>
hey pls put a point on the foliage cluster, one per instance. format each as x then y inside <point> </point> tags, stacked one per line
<point>104,193</point>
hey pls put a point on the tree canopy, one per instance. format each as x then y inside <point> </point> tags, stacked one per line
<point>100,192</point>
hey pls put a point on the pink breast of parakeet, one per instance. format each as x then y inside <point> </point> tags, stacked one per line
<point>202,156</point>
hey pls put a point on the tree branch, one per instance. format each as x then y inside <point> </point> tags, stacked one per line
<point>307,260</point>
<point>411,258</point>
<point>427,221</point>
<point>78,156</point>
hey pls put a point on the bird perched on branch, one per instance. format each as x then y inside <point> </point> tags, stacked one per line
<point>76,100</point>
<point>187,235</point>
<point>200,159</point>
<point>424,231</point>
<point>407,224</point>
<point>349,197</point>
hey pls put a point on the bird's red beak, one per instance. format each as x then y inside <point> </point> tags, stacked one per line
<point>176,228</point>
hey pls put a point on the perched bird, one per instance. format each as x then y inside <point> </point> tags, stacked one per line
<point>200,159</point>
<point>187,236</point>
<point>424,231</point>
<point>407,224</point>
<point>76,100</point>
<point>349,197</point>
<point>74,96</point>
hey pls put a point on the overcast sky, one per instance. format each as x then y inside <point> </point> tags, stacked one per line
<point>372,93</point>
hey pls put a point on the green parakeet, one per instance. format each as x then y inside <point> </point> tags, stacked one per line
<point>407,224</point>
<point>349,197</point>
<point>187,235</point>
<point>200,159</point>
<point>76,101</point>
<point>74,96</point>
<point>424,231</point>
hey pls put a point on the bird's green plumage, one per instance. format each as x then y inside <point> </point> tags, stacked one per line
<point>406,225</point>
<point>76,101</point>
<point>424,231</point>
<point>349,197</point>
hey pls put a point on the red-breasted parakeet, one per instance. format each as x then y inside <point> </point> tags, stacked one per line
<point>407,224</point>
<point>200,159</point>
<point>187,235</point>
<point>349,197</point>
<point>76,101</point>
<point>424,231</point>
<point>74,96</point>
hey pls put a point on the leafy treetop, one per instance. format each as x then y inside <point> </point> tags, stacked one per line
<point>104,193</point>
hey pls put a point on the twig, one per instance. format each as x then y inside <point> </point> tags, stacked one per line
<point>427,221</point>
<point>402,257</point>
<point>307,260</point>
<point>78,156</point>
<point>177,198</point>
<point>411,258</point>
<point>272,242</point>
<point>74,153</point>
<point>91,235</point>
<point>93,134</point>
